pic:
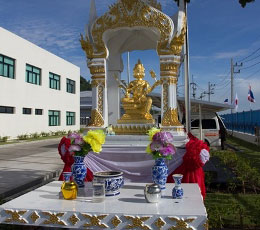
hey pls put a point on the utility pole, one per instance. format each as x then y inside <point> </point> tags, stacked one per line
<point>210,90</point>
<point>232,87</point>
<point>202,95</point>
<point>194,88</point>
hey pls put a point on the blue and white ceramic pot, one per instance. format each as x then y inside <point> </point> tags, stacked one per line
<point>113,181</point>
<point>79,170</point>
<point>177,191</point>
<point>160,172</point>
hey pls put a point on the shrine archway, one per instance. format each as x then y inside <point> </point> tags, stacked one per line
<point>132,25</point>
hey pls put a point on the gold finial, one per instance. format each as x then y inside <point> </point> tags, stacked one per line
<point>139,70</point>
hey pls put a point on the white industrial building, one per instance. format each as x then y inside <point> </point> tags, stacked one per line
<point>39,91</point>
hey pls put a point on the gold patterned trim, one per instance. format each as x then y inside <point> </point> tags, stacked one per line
<point>181,224</point>
<point>100,98</point>
<point>169,69</point>
<point>16,217</point>
<point>74,219</point>
<point>131,129</point>
<point>137,222</point>
<point>34,216</point>
<point>170,118</point>
<point>98,82</point>
<point>116,221</point>
<point>54,218</point>
<point>159,223</point>
<point>165,97</point>
<point>96,119</point>
<point>96,69</point>
<point>170,80</point>
<point>95,221</point>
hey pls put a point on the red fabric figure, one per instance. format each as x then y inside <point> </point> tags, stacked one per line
<point>68,159</point>
<point>65,155</point>
<point>197,154</point>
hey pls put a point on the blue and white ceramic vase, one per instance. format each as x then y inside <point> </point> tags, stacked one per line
<point>79,170</point>
<point>177,191</point>
<point>160,172</point>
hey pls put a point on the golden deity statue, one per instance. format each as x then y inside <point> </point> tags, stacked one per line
<point>136,104</point>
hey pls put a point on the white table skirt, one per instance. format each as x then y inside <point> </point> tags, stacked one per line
<point>129,210</point>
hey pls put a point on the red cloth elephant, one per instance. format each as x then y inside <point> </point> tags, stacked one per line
<point>197,154</point>
<point>68,159</point>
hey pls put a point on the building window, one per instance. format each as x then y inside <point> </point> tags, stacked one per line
<point>70,118</point>
<point>6,66</point>
<point>33,74</point>
<point>54,81</point>
<point>70,86</point>
<point>6,109</point>
<point>27,111</point>
<point>54,118</point>
<point>38,111</point>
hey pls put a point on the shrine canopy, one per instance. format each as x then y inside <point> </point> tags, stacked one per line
<point>131,25</point>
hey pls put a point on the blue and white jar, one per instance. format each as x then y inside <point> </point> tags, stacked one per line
<point>79,170</point>
<point>160,172</point>
<point>177,191</point>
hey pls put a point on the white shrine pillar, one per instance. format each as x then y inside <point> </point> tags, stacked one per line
<point>169,67</point>
<point>99,112</point>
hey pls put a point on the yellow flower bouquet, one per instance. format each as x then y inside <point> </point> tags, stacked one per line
<point>82,145</point>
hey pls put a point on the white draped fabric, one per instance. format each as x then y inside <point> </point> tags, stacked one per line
<point>134,162</point>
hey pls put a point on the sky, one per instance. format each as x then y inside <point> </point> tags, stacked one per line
<point>218,31</point>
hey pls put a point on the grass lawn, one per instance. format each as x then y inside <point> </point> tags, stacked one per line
<point>249,151</point>
<point>235,211</point>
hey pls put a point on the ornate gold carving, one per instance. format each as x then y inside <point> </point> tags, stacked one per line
<point>94,221</point>
<point>91,50</point>
<point>131,129</point>
<point>96,69</point>
<point>170,118</point>
<point>159,223</point>
<point>116,221</point>
<point>181,224</point>
<point>96,119</point>
<point>34,216</point>
<point>137,222</point>
<point>169,69</point>
<point>74,219</point>
<point>15,217</point>
<point>97,82</point>
<point>165,97</point>
<point>100,99</point>
<point>54,218</point>
<point>175,46</point>
<point>127,13</point>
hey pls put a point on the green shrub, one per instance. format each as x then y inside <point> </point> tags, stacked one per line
<point>23,137</point>
<point>35,135</point>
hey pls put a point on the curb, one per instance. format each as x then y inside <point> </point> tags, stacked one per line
<point>18,191</point>
<point>28,142</point>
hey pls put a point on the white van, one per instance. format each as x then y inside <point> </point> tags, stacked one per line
<point>210,129</point>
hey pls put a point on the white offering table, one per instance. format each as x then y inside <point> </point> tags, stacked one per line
<point>129,210</point>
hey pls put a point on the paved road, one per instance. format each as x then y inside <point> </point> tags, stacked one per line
<point>24,165</point>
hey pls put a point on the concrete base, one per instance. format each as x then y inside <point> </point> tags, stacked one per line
<point>139,140</point>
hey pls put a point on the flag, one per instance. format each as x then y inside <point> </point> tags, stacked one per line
<point>236,102</point>
<point>226,101</point>
<point>250,95</point>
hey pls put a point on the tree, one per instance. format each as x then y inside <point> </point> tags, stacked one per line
<point>84,84</point>
<point>244,2</point>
